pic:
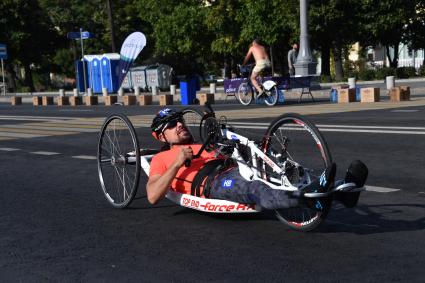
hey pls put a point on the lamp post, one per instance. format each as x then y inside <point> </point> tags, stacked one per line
<point>304,65</point>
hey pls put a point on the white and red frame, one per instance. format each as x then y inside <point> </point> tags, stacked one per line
<point>248,172</point>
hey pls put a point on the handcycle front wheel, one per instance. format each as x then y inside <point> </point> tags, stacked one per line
<point>245,94</point>
<point>118,160</point>
<point>293,140</point>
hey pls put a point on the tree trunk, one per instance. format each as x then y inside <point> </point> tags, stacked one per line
<point>394,60</point>
<point>28,78</point>
<point>111,25</point>
<point>339,70</point>
<point>326,57</point>
<point>227,67</point>
<point>10,74</point>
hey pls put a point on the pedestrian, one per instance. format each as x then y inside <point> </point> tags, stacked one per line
<point>292,59</point>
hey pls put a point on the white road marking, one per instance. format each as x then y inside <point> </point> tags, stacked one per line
<point>88,157</point>
<point>20,135</point>
<point>8,149</point>
<point>380,189</point>
<point>24,117</point>
<point>407,111</point>
<point>45,152</point>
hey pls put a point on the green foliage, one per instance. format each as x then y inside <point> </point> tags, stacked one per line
<point>366,75</point>
<point>196,36</point>
<point>421,71</point>
<point>384,72</point>
<point>405,72</point>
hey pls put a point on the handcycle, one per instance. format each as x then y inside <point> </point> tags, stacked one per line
<point>291,154</point>
<point>247,92</point>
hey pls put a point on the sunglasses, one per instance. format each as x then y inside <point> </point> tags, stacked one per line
<point>173,123</point>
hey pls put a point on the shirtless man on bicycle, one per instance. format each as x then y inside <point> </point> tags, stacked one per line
<point>258,51</point>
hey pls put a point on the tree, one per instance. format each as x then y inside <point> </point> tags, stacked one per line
<point>387,22</point>
<point>334,26</point>
<point>178,33</point>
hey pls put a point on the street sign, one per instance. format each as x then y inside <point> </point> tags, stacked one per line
<point>86,34</point>
<point>78,35</point>
<point>3,51</point>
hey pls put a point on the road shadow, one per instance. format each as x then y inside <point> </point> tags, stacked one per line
<point>374,219</point>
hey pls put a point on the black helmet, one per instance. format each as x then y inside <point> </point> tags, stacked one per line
<point>162,118</point>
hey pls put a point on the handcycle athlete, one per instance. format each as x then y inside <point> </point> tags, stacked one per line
<point>214,175</point>
<point>289,172</point>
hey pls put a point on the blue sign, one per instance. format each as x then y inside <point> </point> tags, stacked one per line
<point>78,35</point>
<point>3,51</point>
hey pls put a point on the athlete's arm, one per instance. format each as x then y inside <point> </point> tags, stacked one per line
<point>158,185</point>
<point>248,55</point>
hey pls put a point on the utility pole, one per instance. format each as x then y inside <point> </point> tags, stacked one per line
<point>305,65</point>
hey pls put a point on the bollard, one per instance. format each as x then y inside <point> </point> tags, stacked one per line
<point>76,100</point>
<point>212,88</point>
<point>173,89</point>
<point>390,82</point>
<point>47,100</point>
<point>76,92</point>
<point>104,91</point>
<point>110,100</point>
<point>154,90</point>
<point>351,82</point>
<point>206,97</point>
<point>61,92</point>
<point>16,100</point>
<point>145,99</point>
<point>165,99</point>
<point>370,94</point>
<point>63,100</point>
<point>136,91</point>
<point>129,100</point>
<point>89,92</point>
<point>36,101</point>
<point>91,100</point>
<point>121,92</point>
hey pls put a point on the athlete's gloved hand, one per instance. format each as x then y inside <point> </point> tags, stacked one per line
<point>186,153</point>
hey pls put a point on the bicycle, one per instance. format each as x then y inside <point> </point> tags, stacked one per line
<point>247,92</point>
<point>291,154</point>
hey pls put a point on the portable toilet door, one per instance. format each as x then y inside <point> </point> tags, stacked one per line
<point>109,68</point>
<point>96,75</point>
<point>88,62</point>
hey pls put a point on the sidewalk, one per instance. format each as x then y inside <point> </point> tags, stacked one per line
<point>417,87</point>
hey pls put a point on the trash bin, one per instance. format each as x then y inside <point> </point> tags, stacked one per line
<point>188,90</point>
<point>334,95</point>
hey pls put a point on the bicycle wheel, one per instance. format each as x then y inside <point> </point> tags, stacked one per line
<point>245,93</point>
<point>118,160</point>
<point>272,96</point>
<point>193,118</point>
<point>298,147</point>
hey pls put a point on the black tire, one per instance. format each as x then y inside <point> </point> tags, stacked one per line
<point>193,118</point>
<point>306,146</point>
<point>272,96</point>
<point>118,160</point>
<point>245,93</point>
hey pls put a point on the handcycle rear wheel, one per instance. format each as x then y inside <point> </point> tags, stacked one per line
<point>294,138</point>
<point>245,94</point>
<point>118,160</point>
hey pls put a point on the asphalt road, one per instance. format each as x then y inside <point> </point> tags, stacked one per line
<point>56,225</point>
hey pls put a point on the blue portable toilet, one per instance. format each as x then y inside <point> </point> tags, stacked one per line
<point>80,74</point>
<point>109,69</point>
<point>95,73</point>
